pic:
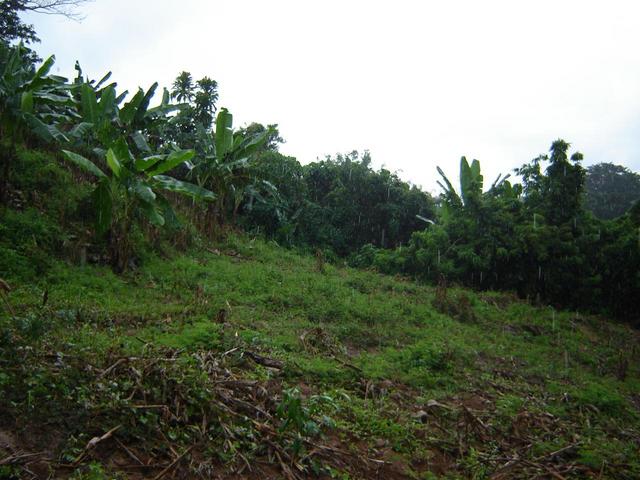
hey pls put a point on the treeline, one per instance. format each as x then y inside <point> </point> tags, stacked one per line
<point>179,166</point>
<point>181,163</point>
<point>339,204</point>
<point>535,238</point>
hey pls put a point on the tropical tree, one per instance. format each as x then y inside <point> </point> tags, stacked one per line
<point>30,100</point>
<point>11,27</point>
<point>130,190</point>
<point>195,112</point>
<point>205,101</point>
<point>222,165</point>
<point>183,88</point>
<point>611,190</point>
<point>273,140</point>
<point>350,204</point>
<point>127,140</point>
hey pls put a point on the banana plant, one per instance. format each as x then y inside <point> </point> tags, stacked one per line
<point>30,97</point>
<point>222,163</point>
<point>130,190</point>
<point>102,119</point>
<point>31,100</point>
<point>471,182</point>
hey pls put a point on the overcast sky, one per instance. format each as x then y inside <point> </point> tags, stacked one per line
<point>418,83</point>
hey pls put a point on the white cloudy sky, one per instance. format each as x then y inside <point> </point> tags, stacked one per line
<point>418,83</point>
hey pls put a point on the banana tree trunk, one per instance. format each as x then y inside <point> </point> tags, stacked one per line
<point>7,158</point>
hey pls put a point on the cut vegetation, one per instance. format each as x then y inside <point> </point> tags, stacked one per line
<point>180,300</point>
<point>247,361</point>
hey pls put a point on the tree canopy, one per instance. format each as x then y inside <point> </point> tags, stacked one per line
<point>611,190</point>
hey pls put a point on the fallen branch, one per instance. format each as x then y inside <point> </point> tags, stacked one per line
<point>93,442</point>
<point>19,458</point>
<point>264,361</point>
<point>173,464</point>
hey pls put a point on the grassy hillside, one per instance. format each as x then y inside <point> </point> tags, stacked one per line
<point>247,358</point>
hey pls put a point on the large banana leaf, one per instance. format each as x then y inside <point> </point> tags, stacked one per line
<point>79,131</point>
<point>152,212</point>
<point>144,192</point>
<point>144,104</point>
<point>84,163</point>
<point>140,142</point>
<point>113,163</point>
<point>102,200</point>
<point>466,180</point>
<point>450,192</point>
<point>48,133</point>
<point>173,160</point>
<point>128,111</point>
<point>185,188</point>
<point>224,133</point>
<point>107,105</point>
<point>146,163</point>
<point>471,180</point>
<point>89,101</point>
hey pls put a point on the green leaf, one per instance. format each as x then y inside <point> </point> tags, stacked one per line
<point>121,97</point>
<point>143,164</point>
<point>52,97</point>
<point>170,218</point>
<point>144,192</point>
<point>107,105</point>
<point>89,104</point>
<point>84,163</point>
<point>80,130</point>
<point>140,142</point>
<point>477,177</point>
<point>47,132</point>
<point>121,149</point>
<point>465,179</point>
<point>26,103</point>
<point>185,188</point>
<point>173,160</point>
<point>103,80</point>
<point>114,163</point>
<point>251,145</point>
<point>450,192</point>
<point>39,78</point>
<point>128,111</point>
<point>144,104</point>
<point>224,133</point>
<point>150,210</point>
<point>104,206</point>
<point>45,67</point>
<point>449,188</point>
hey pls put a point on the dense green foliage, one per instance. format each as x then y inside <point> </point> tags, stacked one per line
<point>535,238</point>
<point>203,352</point>
<point>611,190</point>
<point>372,366</point>
<point>339,203</point>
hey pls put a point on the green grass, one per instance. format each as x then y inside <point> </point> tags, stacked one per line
<point>374,344</point>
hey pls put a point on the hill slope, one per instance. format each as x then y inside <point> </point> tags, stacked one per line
<point>246,360</point>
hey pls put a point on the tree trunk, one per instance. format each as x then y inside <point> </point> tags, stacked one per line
<point>7,158</point>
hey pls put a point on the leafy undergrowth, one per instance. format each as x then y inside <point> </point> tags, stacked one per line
<point>249,361</point>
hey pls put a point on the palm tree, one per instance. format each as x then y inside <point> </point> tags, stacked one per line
<point>183,88</point>
<point>205,101</point>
